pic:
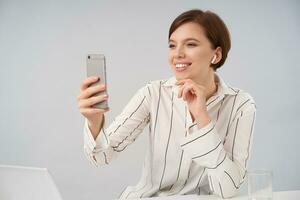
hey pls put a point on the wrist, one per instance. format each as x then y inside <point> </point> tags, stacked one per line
<point>95,125</point>
<point>203,119</point>
<point>95,120</point>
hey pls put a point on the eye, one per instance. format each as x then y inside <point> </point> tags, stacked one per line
<point>171,46</point>
<point>191,44</point>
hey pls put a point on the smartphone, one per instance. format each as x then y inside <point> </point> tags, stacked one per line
<point>96,67</point>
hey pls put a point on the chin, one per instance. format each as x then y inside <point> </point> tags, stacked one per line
<point>181,76</point>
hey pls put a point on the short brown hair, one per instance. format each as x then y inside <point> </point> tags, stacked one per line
<point>214,27</point>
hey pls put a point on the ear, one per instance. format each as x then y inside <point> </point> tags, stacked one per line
<point>218,53</point>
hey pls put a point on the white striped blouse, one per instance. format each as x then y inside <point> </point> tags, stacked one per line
<point>181,158</point>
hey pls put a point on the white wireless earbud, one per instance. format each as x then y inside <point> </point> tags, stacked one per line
<point>214,58</point>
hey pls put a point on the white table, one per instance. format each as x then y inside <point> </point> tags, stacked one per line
<point>280,195</point>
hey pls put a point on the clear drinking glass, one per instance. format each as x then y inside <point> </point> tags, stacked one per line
<point>260,185</point>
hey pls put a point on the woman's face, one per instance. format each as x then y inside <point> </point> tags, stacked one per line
<point>190,52</point>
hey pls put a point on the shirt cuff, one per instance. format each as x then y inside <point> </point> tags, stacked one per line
<point>203,145</point>
<point>100,144</point>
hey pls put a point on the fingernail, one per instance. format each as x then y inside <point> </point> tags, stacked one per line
<point>96,78</point>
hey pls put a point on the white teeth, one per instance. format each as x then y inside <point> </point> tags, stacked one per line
<point>181,65</point>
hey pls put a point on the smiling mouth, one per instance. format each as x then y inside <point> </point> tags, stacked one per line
<point>182,65</point>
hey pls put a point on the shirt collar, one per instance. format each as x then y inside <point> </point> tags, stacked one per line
<point>223,88</point>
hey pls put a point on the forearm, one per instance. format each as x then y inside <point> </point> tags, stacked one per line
<point>226,179</point>
<point>226,164</point>
<point>206,149</point>
<point>103,143</point>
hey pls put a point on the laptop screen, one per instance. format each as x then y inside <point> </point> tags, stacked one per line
<point>27,183</point>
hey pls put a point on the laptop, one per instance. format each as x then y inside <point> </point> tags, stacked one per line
<point>27,183</point>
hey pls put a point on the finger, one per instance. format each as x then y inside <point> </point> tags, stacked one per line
<point>180,91</point>
<point>182,81</point>
<point>87,103</point>
<point>90,91</point>
<point>88,81</point>
<point>188,88</point>
<point>179,83</point>
<point>181,88</point>
<point>89,111</point>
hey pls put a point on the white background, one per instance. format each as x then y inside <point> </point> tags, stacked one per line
<point>43,45</point>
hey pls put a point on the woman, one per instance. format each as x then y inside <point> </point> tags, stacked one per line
<point>200,129</point>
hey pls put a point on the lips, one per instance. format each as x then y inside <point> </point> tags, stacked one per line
<point>180,67</point>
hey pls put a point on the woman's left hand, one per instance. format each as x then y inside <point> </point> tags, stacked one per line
<point>195,96</point>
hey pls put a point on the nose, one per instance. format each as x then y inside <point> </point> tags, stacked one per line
<point>179,52</point>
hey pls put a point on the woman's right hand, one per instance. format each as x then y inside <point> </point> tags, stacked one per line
<point>85,100</point>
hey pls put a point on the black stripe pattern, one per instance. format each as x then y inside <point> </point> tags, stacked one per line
<point>172,137</point>
<point>208,151</point>
<point>229,121</point>
<point>167,143</point>
<point>128,117</point>
<point>130,134</point>
<point>197,137</point>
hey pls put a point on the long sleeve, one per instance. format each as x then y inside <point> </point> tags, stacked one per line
<point>224,159</point>
<point>121,132</point>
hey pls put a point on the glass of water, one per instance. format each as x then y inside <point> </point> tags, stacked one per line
<point>260,185</point>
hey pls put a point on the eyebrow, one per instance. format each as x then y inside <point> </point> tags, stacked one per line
<point>187,39</point>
